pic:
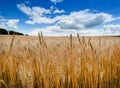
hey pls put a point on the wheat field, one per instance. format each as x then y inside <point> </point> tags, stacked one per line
<point>59,62</point>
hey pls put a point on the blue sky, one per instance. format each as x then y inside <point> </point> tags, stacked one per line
<point>61,17</point>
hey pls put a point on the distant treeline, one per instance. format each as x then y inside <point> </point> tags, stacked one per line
<point>117,36</point>
<point>5,32</point>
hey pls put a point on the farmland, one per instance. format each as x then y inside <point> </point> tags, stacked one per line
<point>59,62</point>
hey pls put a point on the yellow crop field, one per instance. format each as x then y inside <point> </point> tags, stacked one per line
<point>59,62</point>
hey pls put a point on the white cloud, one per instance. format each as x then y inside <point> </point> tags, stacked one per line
<point>52,31</point>
<point>33,11</point>
<point>24,9</point>
<point>56,1</point>
<point>112,27</point>
<point>2,25</point>
<point>40,20</point>
<point>83,19</point>
<point>36,14</point>
<point>57,11</point>
<point>10,24</point>
<point>2,22</point>
<point>47,29</point>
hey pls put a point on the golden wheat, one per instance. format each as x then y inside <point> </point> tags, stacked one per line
<point>71,62</point>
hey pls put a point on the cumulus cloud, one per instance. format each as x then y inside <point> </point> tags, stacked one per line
<point>39,20</point>
<point>36,14</point>
<point>56,1</point>
<point>10,24</point>
<point>2,25</point>
<point>46,30</point>
<point>2,22</point>
<point>52,31</point>
<point>84,19</point>
<point>112,27</point>
<point>24,9</point>
<point>57,11</point>
<point>33,11</point>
